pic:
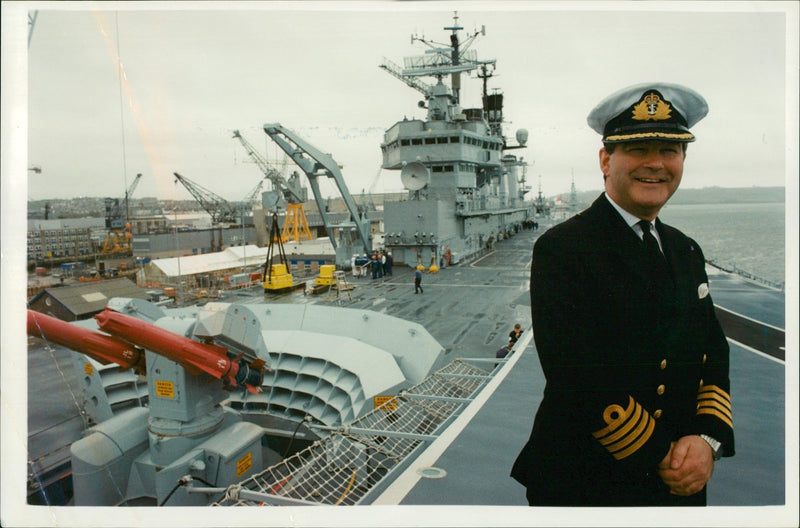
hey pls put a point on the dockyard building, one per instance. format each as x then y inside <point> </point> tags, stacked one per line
<point>64,237</point>
<point>82,301</point>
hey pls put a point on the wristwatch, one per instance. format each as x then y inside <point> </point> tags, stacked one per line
<point>716,446</point>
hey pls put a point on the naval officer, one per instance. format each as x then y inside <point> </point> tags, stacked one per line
<point>636,407</point>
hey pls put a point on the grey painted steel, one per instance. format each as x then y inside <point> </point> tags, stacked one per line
<point>320,164</point>
<point>464,193</point>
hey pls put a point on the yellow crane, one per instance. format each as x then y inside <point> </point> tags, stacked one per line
<point>118,237</point>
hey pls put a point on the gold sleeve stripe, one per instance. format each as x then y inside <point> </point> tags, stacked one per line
<point>713,399</point>
<point>622,431</point>
<point>715,405</point>
<point>714,392</point>
<point>639,443</point>
<point>617,446</point>
<point>614,423</point>
<point>627,430</point>
<point>716,402</point>
<point>718,414</point>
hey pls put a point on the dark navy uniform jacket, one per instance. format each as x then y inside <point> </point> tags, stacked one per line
<point>631,364</point>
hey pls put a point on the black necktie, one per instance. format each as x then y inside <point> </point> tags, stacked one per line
<point>654,255</point>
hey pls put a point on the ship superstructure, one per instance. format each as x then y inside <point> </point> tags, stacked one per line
<point>465,191</point>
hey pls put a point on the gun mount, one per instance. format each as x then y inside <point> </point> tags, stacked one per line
<point>221,407</point>
<point>185,430</point>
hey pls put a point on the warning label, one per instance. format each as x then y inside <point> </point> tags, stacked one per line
<point>243,464</point>
<point>389,403</point>
<point>88,369</point>
<point>165,389</point>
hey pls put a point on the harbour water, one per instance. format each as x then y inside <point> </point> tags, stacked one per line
<point>749,236</point>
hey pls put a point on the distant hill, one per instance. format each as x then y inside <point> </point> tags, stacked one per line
<point>708,195</point>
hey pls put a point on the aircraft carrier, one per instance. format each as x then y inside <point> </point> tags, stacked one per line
<point>305,420</point>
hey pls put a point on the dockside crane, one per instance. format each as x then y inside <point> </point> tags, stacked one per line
<point>252,197</point>
<point>118,237</point>
<point>315,163</point>
<point>219,208</point>
<point>295,225</point>
<point>291,190</point>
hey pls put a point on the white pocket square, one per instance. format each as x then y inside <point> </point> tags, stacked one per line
<point>702,291</point>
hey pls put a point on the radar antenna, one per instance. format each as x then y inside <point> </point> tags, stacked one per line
<point>453,58</point>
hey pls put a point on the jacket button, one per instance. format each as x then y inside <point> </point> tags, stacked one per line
<point>660,390</point>
<point>657,413</point>
<point>663,364</point>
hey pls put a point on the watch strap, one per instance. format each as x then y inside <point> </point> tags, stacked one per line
<point>716,446</point>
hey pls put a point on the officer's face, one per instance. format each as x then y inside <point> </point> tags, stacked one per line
<point>641,176</point>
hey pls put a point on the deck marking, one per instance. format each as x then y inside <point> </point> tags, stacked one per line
<point>749,318</point>
<point>406,481</point>
<point>472,264</point>
<point>753,350</point>
<point>439,284</point>
<point>758,335</point>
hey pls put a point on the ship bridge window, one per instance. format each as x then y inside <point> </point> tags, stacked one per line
<point>441,140</point>
<point>454,139</point>
<point>430,141</point>
<point>436,168</point>
<point>448,168</point>
<point>404,143</point>
<point>416,141</point>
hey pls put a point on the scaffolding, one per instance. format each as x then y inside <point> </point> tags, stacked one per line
<point>295,226</point>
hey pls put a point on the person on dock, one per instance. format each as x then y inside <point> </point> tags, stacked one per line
<point>637,403</point>
<point>374,264</point>
<point>503,351</point>
<point>387,263</point>
<point>515,333</point>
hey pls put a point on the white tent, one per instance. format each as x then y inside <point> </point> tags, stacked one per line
<point>232,258</point>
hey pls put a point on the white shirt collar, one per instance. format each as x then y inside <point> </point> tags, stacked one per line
<point>633,220</point>
<point>630,219</point>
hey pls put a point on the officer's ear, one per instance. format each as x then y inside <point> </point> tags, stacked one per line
<point>605,161</point>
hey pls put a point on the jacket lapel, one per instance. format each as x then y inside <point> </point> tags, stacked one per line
<point>678,259</point>
<point>619,240</point>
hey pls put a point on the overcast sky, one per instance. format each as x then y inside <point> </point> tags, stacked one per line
<point>191,74</point>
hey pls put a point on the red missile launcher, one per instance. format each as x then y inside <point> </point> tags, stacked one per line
<point>103,348</point>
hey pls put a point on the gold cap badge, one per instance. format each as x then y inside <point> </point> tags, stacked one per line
<point>652,107</point>
<point>651,111</point>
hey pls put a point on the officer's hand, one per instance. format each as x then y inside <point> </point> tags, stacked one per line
<point>690,466</point>
<point>665,463</point>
